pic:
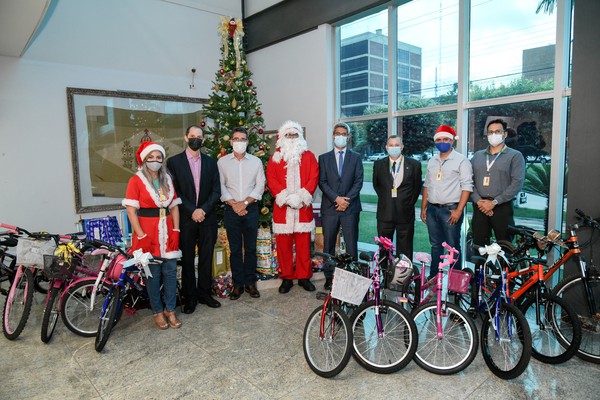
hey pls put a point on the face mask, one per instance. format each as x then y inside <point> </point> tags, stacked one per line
<point>153,165</point>
<point>394,152</point>
<point>340,141</point>
<point>443,147</point>
<point>495,139</point>
<point>195,143</point>
<point>240,147</point>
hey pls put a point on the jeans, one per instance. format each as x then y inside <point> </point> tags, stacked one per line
<point>440,230</point>
<point>168,270</point>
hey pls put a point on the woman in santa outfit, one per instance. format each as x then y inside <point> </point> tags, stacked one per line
<point>151,204</point>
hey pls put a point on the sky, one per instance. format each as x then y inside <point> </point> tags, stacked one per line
<point>500,31</point>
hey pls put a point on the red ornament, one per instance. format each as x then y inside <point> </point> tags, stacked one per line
<point>221,71</point>
<point>260,131</point>
<point>202,123</point>
<point>254,92</point>
<point>232,27</point>
<point>216,134</point>
<point>259,113</point>
<point>249,83</point>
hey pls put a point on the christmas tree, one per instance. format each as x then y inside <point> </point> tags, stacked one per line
<point>233,103</point>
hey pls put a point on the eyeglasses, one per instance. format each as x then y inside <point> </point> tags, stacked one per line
<point>496,132</point>
<point>239,140</point>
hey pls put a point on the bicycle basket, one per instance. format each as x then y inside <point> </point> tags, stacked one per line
<point>400,270</point>
<point>458,281</point>
<point>31,252</point>
<point>55,267</point>
<point>348,287</point>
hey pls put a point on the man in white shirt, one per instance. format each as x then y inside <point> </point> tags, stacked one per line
<point>242,184</point>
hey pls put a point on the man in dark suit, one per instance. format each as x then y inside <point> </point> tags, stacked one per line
<point>196,180</point>
<point>340,180</point>
<point>397,182</point>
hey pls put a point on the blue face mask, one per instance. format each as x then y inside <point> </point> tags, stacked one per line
<point>394,152</point>
<point>443,147</point>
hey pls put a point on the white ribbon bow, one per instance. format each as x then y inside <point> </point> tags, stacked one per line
<point>140,258</point>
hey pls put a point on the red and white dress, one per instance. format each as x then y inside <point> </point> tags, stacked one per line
<point>141,194</point>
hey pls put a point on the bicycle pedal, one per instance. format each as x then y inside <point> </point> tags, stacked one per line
<point>321,295</point>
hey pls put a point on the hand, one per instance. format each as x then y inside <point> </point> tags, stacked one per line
<point>341,203</point>
<point>173,243</point>
<point>238,207</point>
<point>424,215</point>
<point>486,207</point>
<point>145,244</point>
<point>454,216</point>
<point>198,215</point>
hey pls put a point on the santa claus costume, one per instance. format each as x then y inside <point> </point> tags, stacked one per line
<point>292,177</point>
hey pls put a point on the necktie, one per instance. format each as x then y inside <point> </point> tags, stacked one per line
<point>341,162</point>
<point>394,167</point>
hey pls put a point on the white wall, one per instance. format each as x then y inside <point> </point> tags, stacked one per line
<point>98,45</point>
<point>294,80</point>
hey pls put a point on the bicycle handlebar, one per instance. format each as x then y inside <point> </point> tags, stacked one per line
<point>587,219</point>
<point>450,258</point>
<point>322,254</point>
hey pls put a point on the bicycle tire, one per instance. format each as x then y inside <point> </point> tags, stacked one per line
<point>508,356</point>
<point>327,356</point>
<point>391,352</point>
<point>107,318</point>
<point>17,305</point>
<point>458,347</point>
<point>51,312</point>
<point>41,283</point>
<point>75,310</point>
<point>557,337</point>
<point>572,290</point>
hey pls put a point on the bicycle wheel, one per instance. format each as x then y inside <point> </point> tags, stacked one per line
<point>78,314</point>
<point>452,352</point>
<point>113,302</point>
<point>17,305</point>
<point>327,355</point>
<point>50,315</point>
<point>41,283</point>
<point>507,349</point>
<point>572,290</point>
<point>394,348</point>
<point>558,335</point>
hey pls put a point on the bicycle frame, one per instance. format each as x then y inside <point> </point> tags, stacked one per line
<point>126,280</point>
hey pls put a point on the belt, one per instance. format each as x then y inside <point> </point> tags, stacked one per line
<point>443,205</point>
<point>151,212</point>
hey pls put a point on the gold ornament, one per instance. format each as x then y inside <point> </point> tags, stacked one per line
<point>240,123</point>
<point>233,103</point>
<point>226,137</point>
<point>264,211</point>
<point>226,125</point>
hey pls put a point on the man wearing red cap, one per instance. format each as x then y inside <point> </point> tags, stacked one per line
<point>448,185</point>
<point>292,177</point>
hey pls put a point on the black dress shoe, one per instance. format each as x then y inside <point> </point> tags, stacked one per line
<point>236,293</point>
<point>328,282</point>
<point>252,291</point>
<point>286,285</point>
<point>307,285</point>
<point>189,306</point>
<point>209,301</point>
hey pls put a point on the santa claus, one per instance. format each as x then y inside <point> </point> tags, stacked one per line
<point>292,177</point>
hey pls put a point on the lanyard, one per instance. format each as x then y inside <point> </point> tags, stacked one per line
<point>487,159</point>
<point>394,171</point>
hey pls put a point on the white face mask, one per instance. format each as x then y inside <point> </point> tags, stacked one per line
<point>240,147</point>
<point>340,141</point>
<point>153,165</point>
<point>495,139</point>
<point>394,151</point>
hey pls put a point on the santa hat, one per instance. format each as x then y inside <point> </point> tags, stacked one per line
<point>147,148</point>
<point>290,127</point>
<point>445,131</point>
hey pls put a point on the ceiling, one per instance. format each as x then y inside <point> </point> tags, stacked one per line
<point>19,21</point>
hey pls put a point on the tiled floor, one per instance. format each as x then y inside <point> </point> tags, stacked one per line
<point>247,349</point>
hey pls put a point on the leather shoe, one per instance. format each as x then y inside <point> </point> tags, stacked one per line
<point>252,291</point>
<point>286,285</point>
<point>236,293</point>
<point>189,306</point>
<point>307,285</point>
<point>209,301</point>
<point>328,282</point>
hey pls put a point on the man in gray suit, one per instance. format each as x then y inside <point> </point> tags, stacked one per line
<point>397,181</point>
<point>340,180</point>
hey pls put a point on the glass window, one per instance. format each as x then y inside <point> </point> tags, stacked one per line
<point>353,65</point>
<point>354,81</point>
<point>355,96</point>
<point>354,49</point>
<point>512,48</point>
<point>376,65</point>
<point>376,49</point>
<point>376,80</point>
<point>428,44</point>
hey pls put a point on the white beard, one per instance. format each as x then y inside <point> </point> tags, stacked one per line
<point>292,149</point>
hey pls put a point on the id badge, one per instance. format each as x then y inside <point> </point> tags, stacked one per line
<point>438,177</point>
<point>163,213</point>
<point>486,181</point>
<point>394,193</point>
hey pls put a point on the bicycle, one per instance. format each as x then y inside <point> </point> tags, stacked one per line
<point>384,335</point>
<point>506,343</point>
<point>327,337</point>
<point>7,261</point>
<point>448,340</point>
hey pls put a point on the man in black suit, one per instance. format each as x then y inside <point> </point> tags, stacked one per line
<point>397,182</point>
<point>196,180</point>
<point>340,180</point>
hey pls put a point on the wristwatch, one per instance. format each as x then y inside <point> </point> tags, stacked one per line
<point>246,202</point>
<point>495,202</point>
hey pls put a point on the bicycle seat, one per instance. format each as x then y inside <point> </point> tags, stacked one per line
<point>366,255</point>
<point>8,241</point>
<point>478,260</point>
<point>423,257</point>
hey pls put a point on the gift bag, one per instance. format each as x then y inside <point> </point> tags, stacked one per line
<point>105,228</point>
<point>31,252</point>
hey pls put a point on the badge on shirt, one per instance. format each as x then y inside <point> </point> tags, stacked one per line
<point>394,193</point>
<point>438,177</point>
<point>486,181</point>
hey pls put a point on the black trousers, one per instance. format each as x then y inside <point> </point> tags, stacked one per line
<point>242,233</point>
<point>482,225</point>
<point>331,226</point>
<point>404,235</point>
<point>204,236</point>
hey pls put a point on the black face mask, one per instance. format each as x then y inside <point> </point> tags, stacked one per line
<point>195,143</point>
